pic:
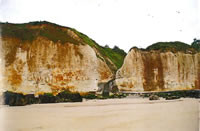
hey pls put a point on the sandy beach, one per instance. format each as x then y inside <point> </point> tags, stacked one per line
<point>136,114</point>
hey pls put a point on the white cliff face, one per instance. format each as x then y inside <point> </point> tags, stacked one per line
<point>155,71</point>
<point>131,73</point>
<point>44,66</point>
<point>2,69</point>
<point>180,70</point>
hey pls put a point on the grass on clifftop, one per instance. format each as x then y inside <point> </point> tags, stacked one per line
<point>30,31</point>
<point>116,55</point>
<point>171,46</point>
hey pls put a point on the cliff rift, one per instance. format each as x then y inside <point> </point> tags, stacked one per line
<point>159,71</point>
<point>43,57</point>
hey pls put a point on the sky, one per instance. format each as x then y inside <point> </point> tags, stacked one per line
<point>125,23</point>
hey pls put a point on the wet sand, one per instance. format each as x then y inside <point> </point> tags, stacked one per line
<point>136,114</point>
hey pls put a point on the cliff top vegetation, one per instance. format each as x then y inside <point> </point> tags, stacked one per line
<point>174,46</point>
<point>171,46</point>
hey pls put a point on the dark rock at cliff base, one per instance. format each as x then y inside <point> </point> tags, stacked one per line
<point>48,98</point>
<point>172,97</point>
<point>17,99</point>
<point>153,97</point>
<point>70,97</point>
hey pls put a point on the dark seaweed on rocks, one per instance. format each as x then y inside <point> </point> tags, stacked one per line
<point>170,95</point>
<point>17,99</point>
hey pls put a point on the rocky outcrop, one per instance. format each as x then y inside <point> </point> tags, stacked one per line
<point>159,71</point>
<point>38,62</point>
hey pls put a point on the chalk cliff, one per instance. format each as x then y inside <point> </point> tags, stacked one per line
<point>41,57</point>
<point>44,57</point>
<point>156,70</point>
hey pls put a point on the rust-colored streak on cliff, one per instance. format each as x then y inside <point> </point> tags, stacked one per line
<point>14,78</point>
<point>10,49</point>
<point>104,73</point>
<point>153,72</point>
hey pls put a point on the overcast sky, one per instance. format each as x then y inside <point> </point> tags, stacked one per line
<point>125,23</point>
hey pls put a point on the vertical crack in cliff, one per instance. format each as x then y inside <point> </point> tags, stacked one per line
<point>153,72</point>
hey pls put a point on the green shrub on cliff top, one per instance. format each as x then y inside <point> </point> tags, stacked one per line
<point>173,46</point>
<point>196,44</point>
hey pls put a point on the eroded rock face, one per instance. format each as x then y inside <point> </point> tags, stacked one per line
<point>44,66</point>
<point>156,71</point>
